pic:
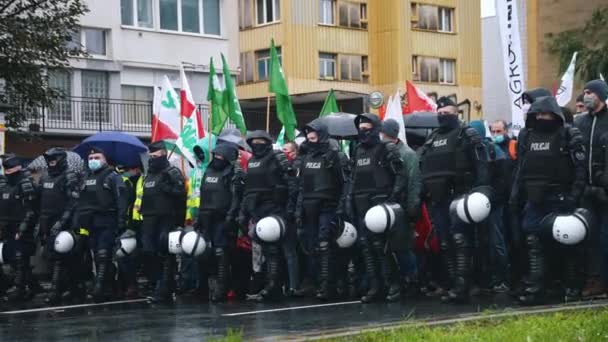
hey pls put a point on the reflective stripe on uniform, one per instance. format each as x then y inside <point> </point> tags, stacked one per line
<point>139,195</point>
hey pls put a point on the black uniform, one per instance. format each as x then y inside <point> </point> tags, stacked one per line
<point>551,176</point>
<point>102,212</point>
<point>59,193</point>
<point>452,161</point>
<point>378,177</point>
<point>267,192</point>
<point>163,209</point>
<point>321,198</point>
<point>222,186</point>
<point>17,220</point>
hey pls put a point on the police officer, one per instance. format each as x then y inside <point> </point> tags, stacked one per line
<point>60,191</point>
<point>17,216</point>
<point>163,209</point>
<point>378,177</point>
<point>593,125</point>
<point>452,161</point>
<point>552,177</point>
<point>222,186</point>
<point>102,212</point>
<point>267,190</point>
<point>321,198</point>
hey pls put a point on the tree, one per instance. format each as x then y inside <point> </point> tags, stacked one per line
<point>35,36</point>
<point>591,42</point>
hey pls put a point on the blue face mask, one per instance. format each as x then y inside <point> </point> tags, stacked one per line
<point>499,139</point>
<point>95,164</point>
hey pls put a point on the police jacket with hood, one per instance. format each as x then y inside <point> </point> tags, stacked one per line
<point>103,194</point>
<point>17,198</point>
<point>452,161</point>
<point>594,130</point>
<point>59,195</point>
<point>377,166</point>
<point>322,174</point>
<point>222,183</point>
<point>164,192</point>
<point>551,162</point>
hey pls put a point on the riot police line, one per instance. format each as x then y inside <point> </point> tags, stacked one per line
<point>326,224</point>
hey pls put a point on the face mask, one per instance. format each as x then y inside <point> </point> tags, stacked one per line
<point>13,177</point>
<point>590,103</point>
<point>499,139</point>
<point>95,164</point>
<point>447,121</point>
<point>218,164</point>
<point>525,108</point>
<point>547,126</point>
<point>260,150</point>
<point>368,137</point>
<point>158,163</point>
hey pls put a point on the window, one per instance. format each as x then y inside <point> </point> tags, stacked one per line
<point>326,12</point>
<point>327,66</point>
<point>168,14</point>
<point>353,14</point>
<point>95,86</point>
<point>262,59</point>
<point>247,69</point>
<point>136,13</point>
<point>434,70</point>
<point>137,106</point>
<point>61,108</point>
<point>95,41</point>
<point>192,16</point>
<point>353,68</point>
<point>245,14</point>
<point>211,17</point>
<point>268,11</point>
<point>432,18</point>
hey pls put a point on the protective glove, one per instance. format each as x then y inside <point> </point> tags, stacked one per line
<point>56,228</point>
<point>242,221</point>
<point>22,228</point>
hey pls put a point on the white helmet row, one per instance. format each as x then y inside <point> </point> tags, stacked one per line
<point>571,229</point>
<point>3,258</point>
<point>64,242</point>
<point>174,242</point>
<point>382,217</point>
<point>270,228</point>
<point>128,243</point>
<point>193,244</point>
<point>348,237</point>
<point>472,208</point>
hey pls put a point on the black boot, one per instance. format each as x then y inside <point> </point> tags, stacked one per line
<point>534,291</point>
<point>459,291</point>
<point>326,291</point>
<point>21,266</point>
<point>573,278</point>
<point>388,270</point>
<point>447,261</point>
<point>272,289</point>
<point>352,279</point>
<point>373,291</point>
<point>102,266</point>
<point>219,293</point>
<point>56,291</point>
<point>165,287</point>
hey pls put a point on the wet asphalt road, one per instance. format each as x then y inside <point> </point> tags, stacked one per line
<point>193,320</point>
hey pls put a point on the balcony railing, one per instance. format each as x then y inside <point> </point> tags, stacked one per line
<point>79,115</point>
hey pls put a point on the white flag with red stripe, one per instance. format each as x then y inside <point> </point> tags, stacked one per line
<point>166,121</point>
<point>192,130</point>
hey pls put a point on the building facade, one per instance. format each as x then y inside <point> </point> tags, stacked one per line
<point>356,47</point>
<point>131,45</point>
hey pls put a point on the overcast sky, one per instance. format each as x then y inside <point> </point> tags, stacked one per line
<point>488,8</point>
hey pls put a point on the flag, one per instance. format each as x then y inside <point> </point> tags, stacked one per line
<point>330,105</point>
<point>166,122</point>
<point>215,96</point>
<point>564,93</point>
<point>278,86</point>
<point>231,100</point>
<point>192,129</point>
<point>417,100</point>
<point>394,111</point>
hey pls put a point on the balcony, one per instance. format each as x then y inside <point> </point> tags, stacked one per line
<point>86,116</point>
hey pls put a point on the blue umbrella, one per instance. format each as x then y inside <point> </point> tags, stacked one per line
<point>121,148</point>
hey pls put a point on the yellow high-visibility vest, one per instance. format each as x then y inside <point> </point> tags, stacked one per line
<point>139,195</point>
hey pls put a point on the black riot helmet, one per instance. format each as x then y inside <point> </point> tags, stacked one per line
<point>59,155</point>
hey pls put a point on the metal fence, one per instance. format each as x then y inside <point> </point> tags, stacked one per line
<point>97,114</point>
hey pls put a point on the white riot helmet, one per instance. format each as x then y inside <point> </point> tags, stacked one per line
<point>348,236</point>
<point>128,243</point>
<point>270,229</point>
<point>3,258</point>
<point>193,244</point>
<point>382,217</point>
<point>571,229</point>
<point>472,208</point>
<point>64,242</point>
<point>174,242</point>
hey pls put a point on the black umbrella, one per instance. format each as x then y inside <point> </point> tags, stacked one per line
<point>339,125</point>
<point>421,120</point>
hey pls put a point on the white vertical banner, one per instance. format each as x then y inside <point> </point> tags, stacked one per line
<point>564,93</point>
<point>513,59</point>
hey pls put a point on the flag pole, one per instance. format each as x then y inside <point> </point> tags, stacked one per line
<point>209,123</point>
<point>268,114</point>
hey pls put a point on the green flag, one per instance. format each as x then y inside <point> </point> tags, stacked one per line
<point>278,86</point>
<point>231,100</point>
<point>215,95</point>
<point>330,105</point>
